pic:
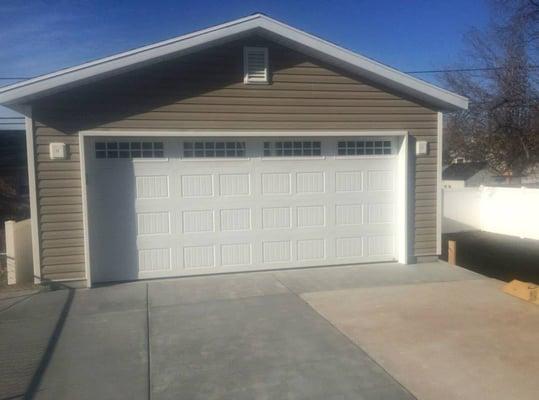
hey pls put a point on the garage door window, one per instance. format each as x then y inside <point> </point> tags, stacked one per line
<point>213,149</point>
<point>113,150</point>
<point>363,147</point>
<point>292,148</point>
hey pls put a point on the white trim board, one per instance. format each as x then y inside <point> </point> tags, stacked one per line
<point>221,133</point>
<point>32,187</point>
<point>28,90</point>
<point>85,217</point>
<point>439,194</point>
<point>403,186</point>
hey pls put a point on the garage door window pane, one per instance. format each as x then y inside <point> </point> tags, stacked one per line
<point>213,149</point>
<point>292,148</point>
<point>267,149</point>
<point>112,151</point>
<point>364,147</point>
<point>129,150</point>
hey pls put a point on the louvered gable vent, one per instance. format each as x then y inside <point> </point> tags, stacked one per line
<point>255,62</point>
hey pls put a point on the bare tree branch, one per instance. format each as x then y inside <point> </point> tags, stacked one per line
<point>501,126</point>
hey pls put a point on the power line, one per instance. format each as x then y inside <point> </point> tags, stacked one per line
<point>427,71</point>
<point>437,71</point>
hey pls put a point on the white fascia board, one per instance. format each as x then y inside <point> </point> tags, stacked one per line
<point>370,69</point>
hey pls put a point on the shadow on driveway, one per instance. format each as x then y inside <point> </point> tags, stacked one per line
<point>497,256</point>
<point>239,336</point>
<point>29,344</point>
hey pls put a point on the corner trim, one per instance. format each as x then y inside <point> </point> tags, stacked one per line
<point>85,222</point>
<point>34,215</point>
<point>439,156</point>
<point>402,202</point>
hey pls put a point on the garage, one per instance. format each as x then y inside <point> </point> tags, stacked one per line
<point>250,145</point>
<point>179,206</point>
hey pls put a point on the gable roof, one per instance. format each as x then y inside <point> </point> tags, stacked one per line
<point>25,91</point>
<point>463,171</point>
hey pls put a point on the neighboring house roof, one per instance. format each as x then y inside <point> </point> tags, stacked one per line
<point>23,92</point>
<point>462,171</point>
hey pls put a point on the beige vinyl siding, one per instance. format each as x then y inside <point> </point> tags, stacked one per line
<point>205,91</point>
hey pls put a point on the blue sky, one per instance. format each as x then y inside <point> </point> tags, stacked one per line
<point>40,36</point>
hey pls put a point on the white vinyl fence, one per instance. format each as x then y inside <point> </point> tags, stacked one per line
<point>508,211</point>
<point>19,252</point>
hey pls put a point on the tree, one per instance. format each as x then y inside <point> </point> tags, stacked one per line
<point>501,125</point>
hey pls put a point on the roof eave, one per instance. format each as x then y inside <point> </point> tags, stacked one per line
<point>368,68</point>
<point>31,89</point>
<point>26,91</point>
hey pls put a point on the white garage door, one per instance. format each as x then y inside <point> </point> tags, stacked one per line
<point>182,206</point>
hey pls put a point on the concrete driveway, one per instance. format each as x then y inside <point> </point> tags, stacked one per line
<point>298,334</point>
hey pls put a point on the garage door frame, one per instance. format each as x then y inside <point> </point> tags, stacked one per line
<point>403,182</point>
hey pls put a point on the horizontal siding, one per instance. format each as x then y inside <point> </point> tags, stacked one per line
<point>206,92</point>
<point>419,120</point>
<point>57,192</point>
<point>269,125</point>
<point>76,233</point>
<point>64,272</point>
<point>72,250</point>
<point>60,201</point>
<point>62,260</point>
<point>279,109</point>
<point>312,103</point>
<point>47,217</point>
<point>58,166</point>
<point>59,225</point>
<point>64,208</point>
<point>50,244</point>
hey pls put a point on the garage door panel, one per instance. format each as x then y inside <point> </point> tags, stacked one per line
<point>197,185</point>
<point>236,254</point>
<point>186,215</point>
<point>151,187</point>
<point>311,250</point>
<point>234,184</point>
